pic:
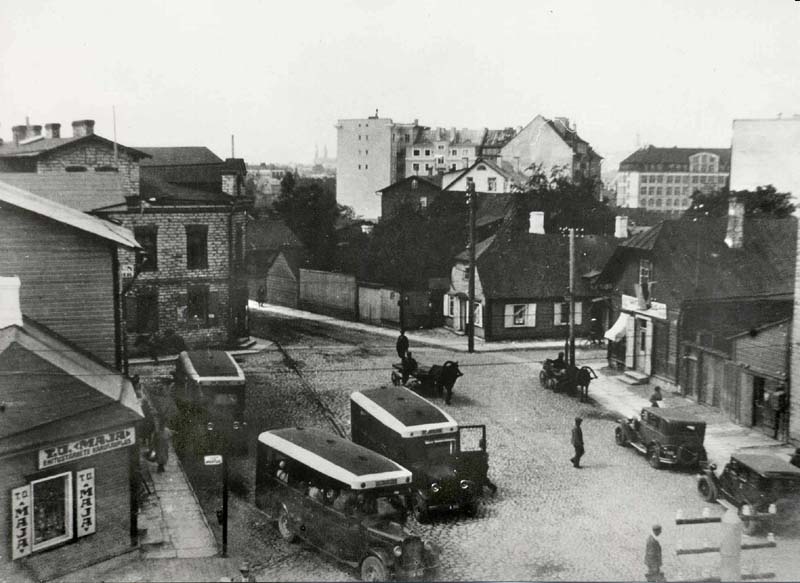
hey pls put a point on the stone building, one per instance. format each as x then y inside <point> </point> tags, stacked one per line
<point>185,205</point>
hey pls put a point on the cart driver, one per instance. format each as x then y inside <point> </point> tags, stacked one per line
<point>409,366</point>
<point>559,364</point>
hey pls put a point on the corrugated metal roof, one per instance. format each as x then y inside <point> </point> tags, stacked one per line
<point>84,191</point>
<point>61,213</point>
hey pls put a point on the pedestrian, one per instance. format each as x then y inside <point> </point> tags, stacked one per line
<point>402,344</point>
<point>656,397</point>
<point>652,556</point>
<point>261,296</point>
<point>246,576</point>
<point>148,427</point>
<point>577,442</point>
<point>162,446</point>
<point>409,367</point>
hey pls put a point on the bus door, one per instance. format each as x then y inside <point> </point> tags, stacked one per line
<point>473,460</point>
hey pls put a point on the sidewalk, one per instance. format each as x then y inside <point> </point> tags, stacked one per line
<point>723,437</point>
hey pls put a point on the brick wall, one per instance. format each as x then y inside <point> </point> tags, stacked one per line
<point>67,279</point>
<point>112,500</point>
<point>172,277</point>
<point>91,156</point>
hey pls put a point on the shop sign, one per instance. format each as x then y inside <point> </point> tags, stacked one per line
<point>86,509</point>
<point>22,522</point>
<point>656,309</point>
<point>86,447</point>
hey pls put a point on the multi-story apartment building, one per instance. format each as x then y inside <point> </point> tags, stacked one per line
<point>370,155</point>
<point>664,179</point>
<point>374,153</point>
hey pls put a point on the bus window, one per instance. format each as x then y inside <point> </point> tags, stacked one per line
<point>440,448</point>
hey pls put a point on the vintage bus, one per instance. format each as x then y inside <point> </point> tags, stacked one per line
<point>210,398</point>
<point>449,462</point>
<point>342,498</point>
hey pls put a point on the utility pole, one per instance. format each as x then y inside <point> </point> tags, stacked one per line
<point>572,296</point>
<point>472,201</point>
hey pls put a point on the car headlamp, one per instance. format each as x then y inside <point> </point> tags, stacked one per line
<point>397,551</point>
<point>435,487</point>
<point>465,484</point>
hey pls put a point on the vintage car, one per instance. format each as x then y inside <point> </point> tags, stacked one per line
<point>667,436</point>
<point>449,462</point>
<point>342,498</point>
<point>768,486</point>
<point>210,398</point>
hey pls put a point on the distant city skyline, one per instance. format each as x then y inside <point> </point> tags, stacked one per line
<point>624,71</point>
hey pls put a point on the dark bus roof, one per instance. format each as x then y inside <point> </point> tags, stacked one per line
<point>211,365</point>
<point>336,457</point>
<point>679,414</point>
<point>404,411</point>
<point>767,465</point>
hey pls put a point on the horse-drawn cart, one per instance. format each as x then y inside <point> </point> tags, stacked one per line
<point>572,380</point>
<point>428,380</point>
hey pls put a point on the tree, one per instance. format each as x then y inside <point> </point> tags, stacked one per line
<point>765,202</point>
<point>566,202</point>
<point>309,208</point>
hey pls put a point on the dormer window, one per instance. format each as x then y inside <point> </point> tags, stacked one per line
<point>481,168</point>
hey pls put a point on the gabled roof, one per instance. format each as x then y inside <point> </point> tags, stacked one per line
<point>492,207</point>
<point>571,137</point>
<point>84,191</point>
<point>270,235</point>
<point>708,268</point>
<point>426,182</point>
<point>674,155</point>
<point>506,172</point>
<point>537,266</point>
<point>498,138</point>
<point>57,392</point>
<point>66,215</point>
<point>179,156</point>
<point>44,145</point>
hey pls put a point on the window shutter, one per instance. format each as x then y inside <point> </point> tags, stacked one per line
<point>478,314</point>
<point>456,313</point>
<point>183,307</point>
<point>508,316</point>
<point>530,315</point>
<point>557,313</point>
<point>446,305</point>
<point>131,317</point>
<point>578,313</point>
<point>213,308</point>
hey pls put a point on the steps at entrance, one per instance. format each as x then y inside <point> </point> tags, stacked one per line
<point>243,343</point>
<point>632,377</point>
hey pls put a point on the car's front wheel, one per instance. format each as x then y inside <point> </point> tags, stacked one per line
<point>421,512</point>
<point>284,527</point>
<point>619,436</point>
<point>653,457</point>
<point>373,569</point>
<point>707,489</point>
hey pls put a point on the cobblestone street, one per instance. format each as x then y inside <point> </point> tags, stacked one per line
<point>548,520</point>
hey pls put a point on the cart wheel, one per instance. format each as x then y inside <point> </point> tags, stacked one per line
<point>706,489</point>
<point>396,379</point>
<point>619,436</point>
<point>543,379</point>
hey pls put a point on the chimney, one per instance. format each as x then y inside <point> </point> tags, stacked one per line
<point>82,127</point>
<point>34,131</point>
<point>10,311</point>
<point>230,183</point>
<point>564,121</point>
<point>52,130</point>
<point>452,134</point>
<point>536,223</point>
<point>621,227</point>
<point>19,133</point>
<point>734,237</point>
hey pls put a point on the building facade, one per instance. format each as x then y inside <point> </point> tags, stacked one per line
<point>664,179</point>
<point>374,153</point>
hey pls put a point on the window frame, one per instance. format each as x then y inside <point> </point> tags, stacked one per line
<point>193,290</point>
<point>192,262</point>
<point>142,233</point>
<point>68,507</point>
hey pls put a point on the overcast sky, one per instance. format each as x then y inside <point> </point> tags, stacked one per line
<point>279,74</point>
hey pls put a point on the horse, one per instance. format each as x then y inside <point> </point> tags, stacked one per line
<point>583,377</point>
<point>444,377</point>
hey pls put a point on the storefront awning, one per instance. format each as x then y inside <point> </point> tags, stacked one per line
<point>619,329</point>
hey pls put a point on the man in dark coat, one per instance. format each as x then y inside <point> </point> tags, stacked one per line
<point>261,295</point>
<point>162,446</point>
<point>652,556</point>
<point>402,344</point>
<point>577,442</point>
<point>656,397</point>
<point>409,366</point>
